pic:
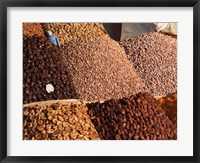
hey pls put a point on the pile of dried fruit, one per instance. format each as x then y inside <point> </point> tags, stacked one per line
<point>169,104</point>
<point>139,117</point>
<point>33,29</point>
<point>100,70</point>
<point>58,122</point>
<point>154,57</point>
<point>67,32</point>
<point>43,66</point>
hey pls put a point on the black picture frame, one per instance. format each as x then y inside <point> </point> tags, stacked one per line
<point>98,3</point>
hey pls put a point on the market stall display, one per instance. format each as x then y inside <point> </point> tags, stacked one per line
<point>100,70</point>
<point>169,104</point>
<point>80,84</point>
<point>57,122</point>
<point>67,32</point>
<point>138,117</point>
<point>154,57</point>
<point>33,29</point>
<point>43,67</point>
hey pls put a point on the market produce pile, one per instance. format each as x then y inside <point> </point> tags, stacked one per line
<point>169,104</point>
<point>58,121</point>
<point>154,57</point>
<point>103,69</point>
<point>118,83</point>
<point>42,65</point>
<point>33,29</point>
<point>67,32</point>
<point>138,117</point>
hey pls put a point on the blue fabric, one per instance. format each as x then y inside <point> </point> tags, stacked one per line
<point>54,40</point>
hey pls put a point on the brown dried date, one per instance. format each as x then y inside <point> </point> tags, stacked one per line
<point>119,124</point>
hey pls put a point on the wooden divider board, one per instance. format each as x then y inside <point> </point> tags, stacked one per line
<point>50,102</point>
<point>66,101</point>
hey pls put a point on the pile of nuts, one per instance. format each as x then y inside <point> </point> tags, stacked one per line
<point>33,29</point>
<point>67,32</point>
<point>154,57</point>
<point>169,104</point>
<point>100,70</point>
<point>43,66</point>
<point>58,122</point>
<point>138,117</point>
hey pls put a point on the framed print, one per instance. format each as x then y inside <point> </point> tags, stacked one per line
<point>104,81</point>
